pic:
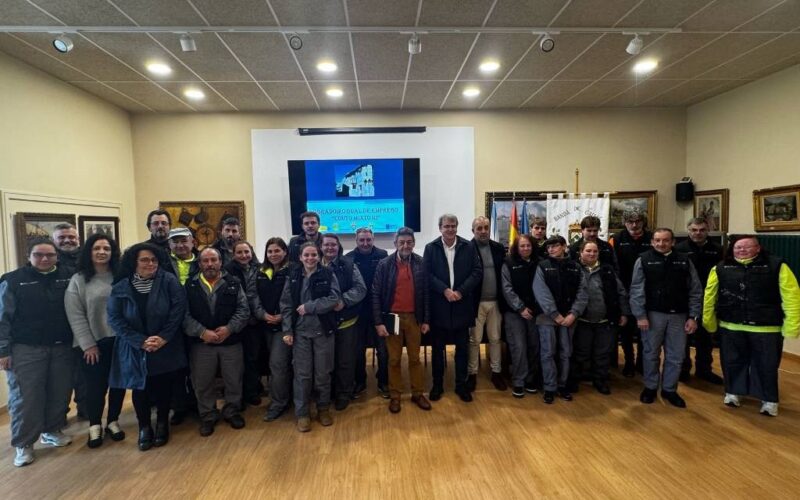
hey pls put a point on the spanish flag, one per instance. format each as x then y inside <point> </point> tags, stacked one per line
<point>513,227</point>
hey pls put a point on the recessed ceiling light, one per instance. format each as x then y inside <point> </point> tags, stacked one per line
<point>471,92</point>
<point>160,69</point>
<point>195,94</point>
<point>489,66</point>
<point>334,92</point>
<point>327,66</point>
<point>645,66</point>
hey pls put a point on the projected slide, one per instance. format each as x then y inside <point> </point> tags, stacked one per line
<point>348,194</point>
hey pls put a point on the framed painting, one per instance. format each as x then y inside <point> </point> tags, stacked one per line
<point>622,201</point>
<point>776,209</point>
<point>204,218</point>
<point>535,201</point>
<point>713,207</point>
<point>89,225</point>
<point>34,225</point>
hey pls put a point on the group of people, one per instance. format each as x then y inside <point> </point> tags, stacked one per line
<point>164,320</point>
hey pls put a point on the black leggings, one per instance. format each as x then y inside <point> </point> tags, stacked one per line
<point>96,377</point>
<point>158,392</point>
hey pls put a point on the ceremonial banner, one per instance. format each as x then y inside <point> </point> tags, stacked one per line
<point>565,212</point>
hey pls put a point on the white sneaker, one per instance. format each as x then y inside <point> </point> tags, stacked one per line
<point>769,409</point>
<point>732,400</point>
<point>57,439</point>
<point>24,456</point>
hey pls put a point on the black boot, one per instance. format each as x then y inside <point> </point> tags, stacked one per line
<point>145,438</point>
<point>162,433</point>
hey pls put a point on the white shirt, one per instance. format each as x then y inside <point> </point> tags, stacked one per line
<point>450,254</point>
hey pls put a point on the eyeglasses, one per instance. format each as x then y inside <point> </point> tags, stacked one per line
<point>147,260</point>
<point>38,255</point>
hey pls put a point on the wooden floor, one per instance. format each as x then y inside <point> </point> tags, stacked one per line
<point>496,447</point>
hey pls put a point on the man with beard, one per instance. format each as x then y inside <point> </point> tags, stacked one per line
<point>216,313</point>
<point>310,223</point>
<point>65,236</point>
<point>229,235</point>
<point>159,223</point>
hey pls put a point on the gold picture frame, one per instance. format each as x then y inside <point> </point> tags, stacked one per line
<point>776,209</point>
<point>621,201</point>
<point>204,218</point>
<point>712,206</point>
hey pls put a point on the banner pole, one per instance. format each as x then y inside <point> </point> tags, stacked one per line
<point>577,180</point>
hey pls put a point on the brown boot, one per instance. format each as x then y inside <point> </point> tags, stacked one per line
<point>421,401</point>
<point>303,424</point>
<point>394,406</point>
<point>325,418</point>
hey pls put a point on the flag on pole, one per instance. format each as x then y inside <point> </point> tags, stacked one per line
<point>493,222</point>
<point>513,225</point>
<point>524,229</point>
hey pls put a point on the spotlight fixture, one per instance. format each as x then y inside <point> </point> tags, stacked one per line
<point>334,92</point>
<point>644,67</point>
<point>295,42</point>
<point>63,43</point>
<point>159,69</point>
<point>187,43</point>
<point>327,66</point>
<point>471,92</point>
<point>635,45</point>
<point>414,45</point>
<point>547,43</point>
<point>194,94</point>
<point>489,66</point>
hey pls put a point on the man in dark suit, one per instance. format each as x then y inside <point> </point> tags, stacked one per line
<point>455,272</point>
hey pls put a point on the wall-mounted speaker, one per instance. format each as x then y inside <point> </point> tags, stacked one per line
<point>684,191</point>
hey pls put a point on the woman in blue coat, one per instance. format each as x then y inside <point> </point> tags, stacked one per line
<point>146,310</point>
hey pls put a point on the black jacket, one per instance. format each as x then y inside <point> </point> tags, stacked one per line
<point>385,283</point>
<point>750,294</point>
<point>606,254</point>
<point>467,271</point>
<point>498,257</point>
<point>297,241</point>
<point>704,258</point>
<point>367,264</point>
<point>628,251</point>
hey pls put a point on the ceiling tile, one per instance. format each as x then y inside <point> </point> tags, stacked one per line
<point>525,13</point>
<point>265,55</point>
<point>511,94</point>
<point>785,17</point>
<point>212,61</point>
<point>727,14</point>
<point>348,101</point>
<point>149,94</point>
<point>309,12</point>
<point>720,51</point>
<point>721,89</point>
<point>246,96</point>
<point>212,101</point>
<point>235,12</point>
<point>663,13</point>
<point>457,100</point>
<point>37,59</point>
<point>789,61</point>
<point>104,92</point>
<point>506,49</point>
<point>329,47</point>
<point>594,12</point>
<point>382,12</point>
<point>666,50</point>
<point>599,59</point>
<point>441,56</point>
<point>758,59</point>
<point>681,93</point>
<point>85,57</point>
<point>138,50</point>
<point>555,93</point>
<point>381,95</point>
<point>381,56</point>
<point>20,13</point>
<point>641,92</point>
<point>160,12</point>
<point>290,96</point>
<point>596,92</point>
<point>454,12</point>
<point>85,12</point>
<point>425,95</point>
<point>539,65</point>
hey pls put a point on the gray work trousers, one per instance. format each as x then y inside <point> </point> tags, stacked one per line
<point>523,347</point>
<point>205,359</point>
<point>313,364</point>
<point>555,347</point>
<point>39,388</point>
<point>667,331</point>
<point>280,371</point>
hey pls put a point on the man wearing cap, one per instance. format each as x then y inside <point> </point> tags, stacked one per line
<point>628,245</point>
<point>183,255</point>
<point>229,234</point>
